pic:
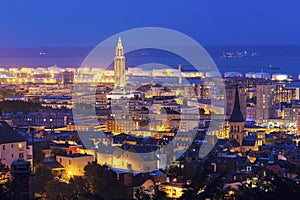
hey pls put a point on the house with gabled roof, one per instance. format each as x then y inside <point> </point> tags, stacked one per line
<point>13,146</point>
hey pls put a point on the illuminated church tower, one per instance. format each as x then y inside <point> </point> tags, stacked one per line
<point>119,67</point>
<point>237,121</point>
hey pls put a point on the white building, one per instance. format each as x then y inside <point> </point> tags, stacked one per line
<point>74,163</point>
<point>13,146</point>
<point>233,75</point>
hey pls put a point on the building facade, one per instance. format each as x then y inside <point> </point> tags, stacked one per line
<point>119,67</point>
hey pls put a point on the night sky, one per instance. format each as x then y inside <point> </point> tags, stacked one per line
<point>67,23</point>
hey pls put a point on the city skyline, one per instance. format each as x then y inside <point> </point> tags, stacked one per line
<point>120,100</point>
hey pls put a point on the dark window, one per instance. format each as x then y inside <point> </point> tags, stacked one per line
<point>21,155</point>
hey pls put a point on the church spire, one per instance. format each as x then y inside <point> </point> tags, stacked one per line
<point>236,115</point>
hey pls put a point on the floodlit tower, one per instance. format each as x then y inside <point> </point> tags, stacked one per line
<point>180,73</point>
<point>119,67</point>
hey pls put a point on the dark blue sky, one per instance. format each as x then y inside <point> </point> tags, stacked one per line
<point>42,23</point>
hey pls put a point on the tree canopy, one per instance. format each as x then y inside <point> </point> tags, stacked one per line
<point>19,106</point>
<point>42,176</point>
<point>104,182</point>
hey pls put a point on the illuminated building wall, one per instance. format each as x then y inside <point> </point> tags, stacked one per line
<point>119,66</point>
<point>230,95</point>
<point>172,190</point>
<point>265,103</point>
<point>251,113</point>
<point>74,163</point>
<point>285,94</point>
<point>298,124</point>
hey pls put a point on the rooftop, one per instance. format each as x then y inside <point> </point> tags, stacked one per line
<point>75,155</point>
<point>236,115</point>
<point>9,135</point>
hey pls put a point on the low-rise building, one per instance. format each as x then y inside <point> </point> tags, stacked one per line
<point>13,146</point>
<point>74,163</point>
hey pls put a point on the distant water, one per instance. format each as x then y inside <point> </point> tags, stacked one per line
<point>287,58</point>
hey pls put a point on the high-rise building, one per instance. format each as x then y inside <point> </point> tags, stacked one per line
<point>265,103</point>
<point>230,99</point>
<point>202,91</point>
<point>298,124</point>
<point>119,91</point>
<point>119,67</point>
<point>251,113</point>
<point>68,77</point>
<point>286,94</point>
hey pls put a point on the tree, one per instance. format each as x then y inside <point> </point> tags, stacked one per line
<point>188,194</point>
<point>213,189</point>
<point>160,195</point>
<point>39,156</point>
<point>19,106</point>
<point>104,182</point>
<point>56,190</point>
<point>270,187</point>
<point>6,190</point>
<point>41,177</point>
<point>174,171</point>
<point>143,193</point>
<point>7,92</point>
<point>80,187</point>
